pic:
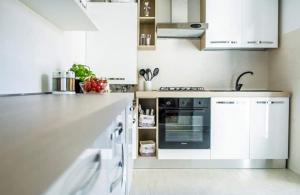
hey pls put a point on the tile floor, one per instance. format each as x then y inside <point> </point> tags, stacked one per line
<point>215,182</point>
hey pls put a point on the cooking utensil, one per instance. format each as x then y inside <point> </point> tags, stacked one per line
<point>143,73</point>
<point>155,73</point>
<point>149,74</point>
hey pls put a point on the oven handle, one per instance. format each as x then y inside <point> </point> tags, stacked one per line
<point>184,109</point>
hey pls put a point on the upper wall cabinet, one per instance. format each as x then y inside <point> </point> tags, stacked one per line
<point>240,24</point>
<point>112,50</point>
<point>224,27</point>
<point>68,15</point>
<point>260,24</point>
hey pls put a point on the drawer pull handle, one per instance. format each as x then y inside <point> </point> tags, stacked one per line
<point>277,102</point>
<point>225,102</point>
<point>262,102</point>
<point>119,179</point>
<point>91,173</point>
<point>260,42</point>
<point>216,42</point>
<point>270,102</point>
<point>118,131</point>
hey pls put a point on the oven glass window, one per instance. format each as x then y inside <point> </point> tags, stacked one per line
<point>184,126</point>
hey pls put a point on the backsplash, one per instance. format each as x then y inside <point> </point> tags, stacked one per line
<point>182,63</point>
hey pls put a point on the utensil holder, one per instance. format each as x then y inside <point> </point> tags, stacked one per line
<point>148,86</point>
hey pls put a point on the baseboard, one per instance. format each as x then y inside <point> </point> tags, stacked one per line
<point>209,164</point>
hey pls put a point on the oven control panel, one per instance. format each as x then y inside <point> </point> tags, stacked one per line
<point>184,102</point>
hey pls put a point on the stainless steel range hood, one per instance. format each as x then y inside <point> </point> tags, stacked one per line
<point>180,30</point>
<point>179,26</point>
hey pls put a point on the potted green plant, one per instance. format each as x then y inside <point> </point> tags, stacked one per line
<point>81,72</point>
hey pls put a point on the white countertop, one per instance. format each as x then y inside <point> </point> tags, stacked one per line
<point>199,94</point>
<point>41,135</point>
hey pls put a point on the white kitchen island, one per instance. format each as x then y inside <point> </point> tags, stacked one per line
<point>42,135</point>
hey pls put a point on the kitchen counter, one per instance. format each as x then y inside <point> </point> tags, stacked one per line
<point>41,135</point>
<point>212,93</point>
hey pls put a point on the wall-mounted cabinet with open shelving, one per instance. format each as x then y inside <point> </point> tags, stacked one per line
<point>147,24</point>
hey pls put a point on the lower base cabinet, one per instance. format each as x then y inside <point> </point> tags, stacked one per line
<point>229,128</point>
<point>104,168</point>
<point>249,128</point>
<point>269,122</point>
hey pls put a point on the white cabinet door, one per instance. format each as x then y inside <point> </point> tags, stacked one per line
<point>230,128</point>
<point>269,128</point>
<point>83,176</point>
<point>224,24</point>
<point>68,15</point>
<point>260,24</point>
<point>112,50</point>
<point>130,143</point>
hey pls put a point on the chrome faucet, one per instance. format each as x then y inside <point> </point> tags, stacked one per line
<point>238,86</point>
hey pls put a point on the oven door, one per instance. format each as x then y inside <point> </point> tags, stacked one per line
<point>184,128</point>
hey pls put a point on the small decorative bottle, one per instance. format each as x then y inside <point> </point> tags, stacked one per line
<point>147,8</point>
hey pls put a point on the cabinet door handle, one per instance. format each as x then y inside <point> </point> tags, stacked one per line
<point>260,42</point>
<point>89,180</point>
<point>120,179</point>
<point>270,102</point>
<point>115,183</point>
<point>118,131</point>
<point>277,102</point>
<point>253,42</point>
<point>119,128</point>
<point>83,5</point>
<point>262,102</point>
<point>268,42</point>
<point>217,42</point>
<point>225,102</point>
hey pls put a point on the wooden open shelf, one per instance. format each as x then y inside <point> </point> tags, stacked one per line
<point>148,28</point>
<point>147,133</point>
<point>146,47</point>
<point>141,8</point>
<point>147,127</point>
<point>147,25</point>
<point>144,20</point>
<point>147,157</point>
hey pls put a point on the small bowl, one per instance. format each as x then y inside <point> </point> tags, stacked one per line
<point>103,86</point>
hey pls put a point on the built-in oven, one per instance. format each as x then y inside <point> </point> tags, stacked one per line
<point>184,123</point>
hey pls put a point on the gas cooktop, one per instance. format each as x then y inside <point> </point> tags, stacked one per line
<point>181,89</point>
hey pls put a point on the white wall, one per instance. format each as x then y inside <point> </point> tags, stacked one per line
<point>181,63</point>
<point>163,10</point>
<point>30,50</point>
<point>285,72</point>
<point>290,15</point>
